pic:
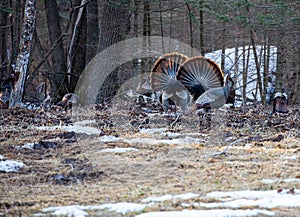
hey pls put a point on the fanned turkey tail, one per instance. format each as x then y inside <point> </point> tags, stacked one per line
<point>163,79</point>
<point>199,74</point>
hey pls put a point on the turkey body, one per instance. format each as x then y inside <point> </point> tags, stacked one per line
<point>163,79</point>
<point>191,83</point>
<point>215,97</point>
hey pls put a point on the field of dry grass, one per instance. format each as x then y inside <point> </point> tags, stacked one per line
<point>67,168</point>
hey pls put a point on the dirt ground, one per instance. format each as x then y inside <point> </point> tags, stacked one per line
<point>67,168</point>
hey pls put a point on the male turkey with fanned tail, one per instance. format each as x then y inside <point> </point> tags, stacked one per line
<point>163,79</point>
<point>187,80</point>
<point>199,74</point>
<point>206,82</point>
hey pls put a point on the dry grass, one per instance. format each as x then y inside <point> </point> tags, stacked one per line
<point>93,178</point>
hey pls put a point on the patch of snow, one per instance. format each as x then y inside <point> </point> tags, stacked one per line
<point>292,180</point>
<point>169,197</point>
<point>77,127</point>
<point>248,145</point>
<point>157,199</point>
<point>85,122</point>
<point>171,134</point>
<point>149,141</point>
<point>293,157</point>
<point>109,138</point>
<point>29,146</point>
<point>70,211</point>
<point>118,150</point>
<point>30,106</point>
<point>263,199</point>
<point>270,181</point>
<point>2,157</point>
<point>145,141</point>
<point>11,166</point>
<point>153,130</point>
<point>79,211</point>
<point>124,207</point>
<point>186,196</point>
<point>209,213</point>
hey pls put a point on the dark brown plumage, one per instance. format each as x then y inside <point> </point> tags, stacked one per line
<point>280,102</point>
<point>68,100</point>
<point>5,92</point>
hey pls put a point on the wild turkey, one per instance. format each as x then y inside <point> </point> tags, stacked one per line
<point>199,74</point>
<point>4,98</point>
<point>5,92</point>
<point>68,100</point>
<point>215,97</point>
<point>280,102</point>
<point>144,90</point>
<point>163,79</point>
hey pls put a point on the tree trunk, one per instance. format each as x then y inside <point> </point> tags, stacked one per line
<point>16,20</point>
<point>266,50</point>
<point>190,12</point>
<point>58,78</point>
<point>223,45</point>
<point>92,30</point>
<point>161,24</point>
<point>201,28</point>
<point>20,73</point>
<point>3,42</point>
<point>76,59</point>
<point>115,24</point>
<point>259,80</point>
<point>146,33</point>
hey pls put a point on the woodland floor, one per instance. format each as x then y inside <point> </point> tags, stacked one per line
<point>67,168</point>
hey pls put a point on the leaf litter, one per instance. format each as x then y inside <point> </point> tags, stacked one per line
<point>165,158</point>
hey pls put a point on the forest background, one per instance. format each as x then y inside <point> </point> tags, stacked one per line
<point>69,33</point>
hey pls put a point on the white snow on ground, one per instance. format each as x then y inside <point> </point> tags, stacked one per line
<point>149,141</point>
<point>263,199</point>
<point>28,146</point>
<point>124,207</point>
<point>169,197</point>
<point>232,199</point>
<point>85,122</point>
<point>11,166</point>
<point>1,157</point>
<point>270,181</point>
<point>109,138</point>
<point>209,213</point>
<point>153,130</point>
<point>72,211</point>
<point>77,127</point>
<point>79,211</point>
<point>118,150</point>
<point>293,157</point>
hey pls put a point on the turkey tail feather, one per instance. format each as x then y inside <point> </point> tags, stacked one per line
<point>165,70</point>
<point>200,72</point>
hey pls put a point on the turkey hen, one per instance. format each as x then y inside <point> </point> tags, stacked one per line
<point>5,92</point>
<point>68,100</point>
<point>163,79</point>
